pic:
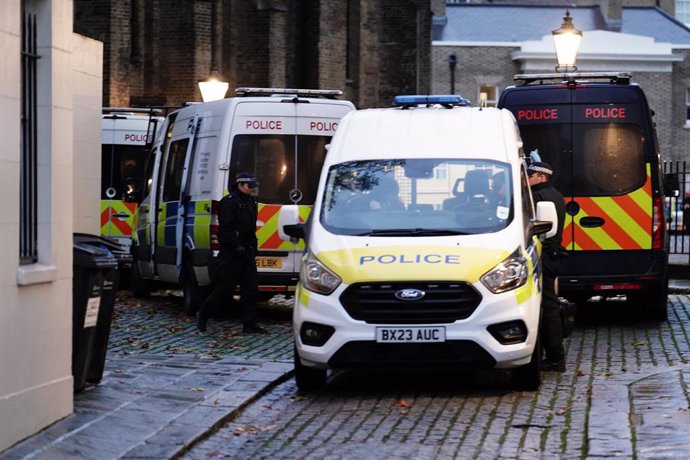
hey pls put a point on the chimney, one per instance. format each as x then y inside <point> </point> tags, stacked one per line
<point>612,11</point>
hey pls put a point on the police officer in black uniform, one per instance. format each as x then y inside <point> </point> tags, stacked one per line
<point>236,264</point>
<point>540,174</point>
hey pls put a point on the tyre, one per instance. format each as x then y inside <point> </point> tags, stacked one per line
<point>528,377</point>
<point>656,307</point>
<point>193,295</point>
<point>140,287</point>
<point>653,303</point>
<point>308,378</point>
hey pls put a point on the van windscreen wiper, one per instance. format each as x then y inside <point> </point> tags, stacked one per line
<point>412,232</point>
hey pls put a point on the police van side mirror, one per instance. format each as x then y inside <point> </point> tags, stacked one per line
<point>294,231</point>
<point>671,185</point>
<point>547,220</point>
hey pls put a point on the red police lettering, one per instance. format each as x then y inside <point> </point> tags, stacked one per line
<point>322,126</point>
<point>273,125</point>
<point>605,112</point>
<point>135,137</point>
<point>537,114</point>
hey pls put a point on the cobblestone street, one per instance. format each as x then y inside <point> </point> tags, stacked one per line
<point>225,394</point>
<point>625,394</point>
<point>160,325</point>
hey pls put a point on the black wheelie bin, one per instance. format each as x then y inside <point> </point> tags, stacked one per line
<point>94,285</point>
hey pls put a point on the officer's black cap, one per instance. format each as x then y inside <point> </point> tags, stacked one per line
<point>246,178</point>
<point>540,167</point>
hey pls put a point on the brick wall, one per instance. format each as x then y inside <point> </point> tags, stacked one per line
<point>475,66</point>
<point>155,51</point>
<point>679,148</point>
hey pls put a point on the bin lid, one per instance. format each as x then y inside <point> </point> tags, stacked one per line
<point>111,245</point>
<point>92,256</point>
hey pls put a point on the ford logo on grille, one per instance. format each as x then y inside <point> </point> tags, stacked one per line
<point>410,294</point>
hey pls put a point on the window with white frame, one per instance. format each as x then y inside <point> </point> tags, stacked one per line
<point>488,95</point>
<point>683,11</point>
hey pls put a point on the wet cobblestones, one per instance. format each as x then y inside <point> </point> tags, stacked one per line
<point>625,394</point>
<point>172,392</point>
<point>160,325</point>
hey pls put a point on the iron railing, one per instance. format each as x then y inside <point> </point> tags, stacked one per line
<point>678,218</point>
<point>28,224</point>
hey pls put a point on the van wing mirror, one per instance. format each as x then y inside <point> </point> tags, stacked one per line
<point>294,231</point>
<point>671,184</point>
<point>547,219</point>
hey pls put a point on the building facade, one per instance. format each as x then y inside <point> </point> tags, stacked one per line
<point>50,90</point>
<point>156,51</point>
<point>640,37</point>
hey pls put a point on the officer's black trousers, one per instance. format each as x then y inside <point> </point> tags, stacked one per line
<point>233,269</point>
<point>551,324</point>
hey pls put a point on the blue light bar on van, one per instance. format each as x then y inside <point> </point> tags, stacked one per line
<point>442,99</point>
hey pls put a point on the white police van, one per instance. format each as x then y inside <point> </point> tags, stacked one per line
<point>277,134</point>
<point>127,136</point>
<point>423,246</point>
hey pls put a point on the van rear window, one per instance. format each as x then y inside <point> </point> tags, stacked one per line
<point>122,171</point>
<point>281,164</point>
<point>606,159</point>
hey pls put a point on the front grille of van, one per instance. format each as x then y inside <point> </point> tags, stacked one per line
<point>376,303</point>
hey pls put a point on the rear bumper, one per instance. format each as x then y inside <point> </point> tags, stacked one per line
<point>608,273</point>
<point>278,282</point>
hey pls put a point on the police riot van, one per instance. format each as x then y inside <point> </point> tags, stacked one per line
<point>596,130</point>
<point>126,138</point>
<point>423,247</point>
<point>278,135</point>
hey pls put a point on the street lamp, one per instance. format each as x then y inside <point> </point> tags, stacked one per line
<point>214,87</point>
<point>452,62</point>
<point>567,40</point>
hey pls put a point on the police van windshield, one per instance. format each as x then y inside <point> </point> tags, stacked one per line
<point>417,197</point>
<point>606,160</point>
<point>286,167</point>
<point>122,172</point>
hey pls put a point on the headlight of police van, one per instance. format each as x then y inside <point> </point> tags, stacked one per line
<point>507,275</point>
<point>316,277</point>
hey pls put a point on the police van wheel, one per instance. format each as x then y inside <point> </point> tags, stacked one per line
<point>139,286</point>
<point>656,301</point>
<point>308,378</point>
<point>528,377</point>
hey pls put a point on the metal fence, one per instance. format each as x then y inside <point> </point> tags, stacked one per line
<point>678,225</point>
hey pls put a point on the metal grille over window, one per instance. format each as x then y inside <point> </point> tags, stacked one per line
<point>377,303</point>
<point>28,234</point>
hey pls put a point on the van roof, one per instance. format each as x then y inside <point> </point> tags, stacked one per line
<point>462,132</point>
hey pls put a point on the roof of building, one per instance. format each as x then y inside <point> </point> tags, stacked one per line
<point>517,23</point>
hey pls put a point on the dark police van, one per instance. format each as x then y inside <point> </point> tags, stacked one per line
<point>596,130</point>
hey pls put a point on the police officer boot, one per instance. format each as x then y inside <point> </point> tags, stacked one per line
<point>201,320</point>
<point>253,328</point>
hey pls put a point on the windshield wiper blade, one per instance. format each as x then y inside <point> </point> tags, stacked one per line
<point>412,232</point>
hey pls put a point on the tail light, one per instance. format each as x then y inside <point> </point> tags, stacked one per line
<point>658,224</point>
<point>213,236</point>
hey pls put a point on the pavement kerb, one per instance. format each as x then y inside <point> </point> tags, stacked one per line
<point>132,415</point>
<point>679,286</point>
<point>143,449</point>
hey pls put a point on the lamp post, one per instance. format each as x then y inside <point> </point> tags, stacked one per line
<point>566,40</point>
<point>452,62</point>
<point>214,87</point>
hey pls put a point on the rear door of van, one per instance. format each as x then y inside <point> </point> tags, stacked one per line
<point>284,146</point>
<point>603,149</point>
<point>125,142</point>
